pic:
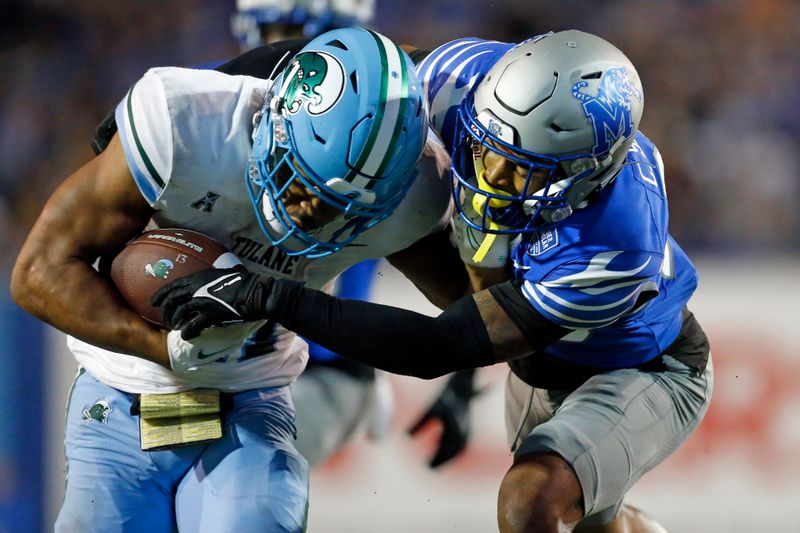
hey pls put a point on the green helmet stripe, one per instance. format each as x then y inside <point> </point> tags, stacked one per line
<point>373,134</point>
<point>387,122</point>
<point>398,124</point>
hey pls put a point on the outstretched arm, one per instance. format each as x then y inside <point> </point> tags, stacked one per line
<point>410,343</point>
<point>474,331</point>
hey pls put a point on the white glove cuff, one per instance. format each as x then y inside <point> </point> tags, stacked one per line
<point>214,344</point>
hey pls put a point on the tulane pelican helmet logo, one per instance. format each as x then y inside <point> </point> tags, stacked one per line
<point>315,79</point>
<point>160,269</point>
<point>610,110</point>
<point>97,412</point>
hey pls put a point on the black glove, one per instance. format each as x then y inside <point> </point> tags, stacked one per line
<point>212,297</point>
<point>451,408</point>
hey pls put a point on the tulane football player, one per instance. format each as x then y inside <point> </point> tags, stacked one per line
<point>300,173</point>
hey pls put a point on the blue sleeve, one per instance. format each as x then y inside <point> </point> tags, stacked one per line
<point>449,73</point>
<point>595,291</point>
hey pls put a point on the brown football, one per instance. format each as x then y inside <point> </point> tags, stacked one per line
<point>158,257</point>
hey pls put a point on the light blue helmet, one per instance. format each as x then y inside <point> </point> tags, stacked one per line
<point>566,105</point>
<point>346,120</point>
<point>313,16</point>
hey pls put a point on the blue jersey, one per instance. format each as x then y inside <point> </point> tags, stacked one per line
<point>611,272</point>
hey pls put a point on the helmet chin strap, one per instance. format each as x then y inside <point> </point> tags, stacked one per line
<point>576,196</point>
<point>551,214</point>
<point>271,218</point>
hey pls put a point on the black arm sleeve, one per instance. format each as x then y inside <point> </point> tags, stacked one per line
<point>538,330</point>
<point>392,339</point>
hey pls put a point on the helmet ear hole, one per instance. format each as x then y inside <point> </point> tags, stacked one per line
<point>336,43</point>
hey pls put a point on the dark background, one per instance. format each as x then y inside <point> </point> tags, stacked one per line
<point>721,85</point>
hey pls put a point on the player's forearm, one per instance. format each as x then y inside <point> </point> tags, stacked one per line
<point>93,212</point>
<point>75,299</point>
<point>433,266</point>
<point>483,278</point>
<point>392,339</point>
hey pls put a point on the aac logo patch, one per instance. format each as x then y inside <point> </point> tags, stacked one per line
<point>160,269</point>
<point>495,128</point>
<point>206,203</point>
<point>542,241</point>
<point>97,412</point>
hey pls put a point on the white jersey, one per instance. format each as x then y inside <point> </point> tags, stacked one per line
<point>186,136</point>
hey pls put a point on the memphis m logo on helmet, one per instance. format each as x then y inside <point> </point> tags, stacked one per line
<point>610,109</point>
<point>345,121</point>
<point>566,106</point>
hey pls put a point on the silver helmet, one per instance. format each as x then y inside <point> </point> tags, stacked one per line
<point>566,103</point>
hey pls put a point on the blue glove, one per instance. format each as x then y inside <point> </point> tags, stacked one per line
<point>451,409</point>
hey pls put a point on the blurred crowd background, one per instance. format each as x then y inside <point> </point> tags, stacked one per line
<point>721,82</point>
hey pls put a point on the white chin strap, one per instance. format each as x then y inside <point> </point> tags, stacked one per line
<point>277,229</point>
<point>556,214</point>
<point>346,188</point>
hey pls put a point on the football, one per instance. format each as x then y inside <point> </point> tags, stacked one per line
<point>158,257</point>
